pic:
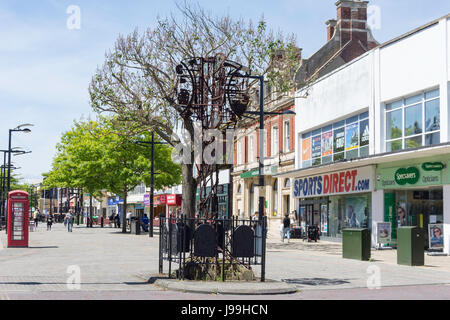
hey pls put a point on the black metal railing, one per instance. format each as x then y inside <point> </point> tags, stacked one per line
<point>225,241</point>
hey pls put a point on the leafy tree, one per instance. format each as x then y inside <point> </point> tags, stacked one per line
<point>137,81</point>
<point>92,156</point>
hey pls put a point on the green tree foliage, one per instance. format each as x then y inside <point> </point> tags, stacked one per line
<point>94,157</point>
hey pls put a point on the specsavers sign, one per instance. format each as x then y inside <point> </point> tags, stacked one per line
<point>425,174</point>
<point>342,182</point>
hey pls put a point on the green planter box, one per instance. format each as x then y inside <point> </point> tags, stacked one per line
<point>356,244</point>
<point>410,246</point>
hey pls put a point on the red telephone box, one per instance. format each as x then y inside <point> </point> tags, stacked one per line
<point>18,219</point>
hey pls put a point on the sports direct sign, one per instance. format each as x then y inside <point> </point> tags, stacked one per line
<point>341,182</point>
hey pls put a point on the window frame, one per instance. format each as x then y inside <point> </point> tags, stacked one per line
<point>403,106</point>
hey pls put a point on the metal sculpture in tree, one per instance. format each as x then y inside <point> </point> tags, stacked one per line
<point>215,98</point>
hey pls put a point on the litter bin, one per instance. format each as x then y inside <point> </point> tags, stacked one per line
<point>410,246</point>
<point>135,227</point>
<point>356,244</point>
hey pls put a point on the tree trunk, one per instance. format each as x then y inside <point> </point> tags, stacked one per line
<point>189,190</point>
<point>124,214</point>
<point>189,182</point>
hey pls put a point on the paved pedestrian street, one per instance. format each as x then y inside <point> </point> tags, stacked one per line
<point>113,265</point>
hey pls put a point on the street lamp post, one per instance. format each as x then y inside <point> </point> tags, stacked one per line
<point>152,177</point>
<point>261,113</point>
<point>18,129</point>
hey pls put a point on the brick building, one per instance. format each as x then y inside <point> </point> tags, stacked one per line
<point>347,38</point>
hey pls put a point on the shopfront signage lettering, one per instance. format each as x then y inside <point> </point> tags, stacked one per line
<point>407,176</point>
<point>349,181</point>
<point>433,166</point>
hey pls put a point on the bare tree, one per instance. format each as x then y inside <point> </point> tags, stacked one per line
<point>137,82</point>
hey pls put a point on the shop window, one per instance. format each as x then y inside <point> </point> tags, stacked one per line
<point>413,122</point>
<point>346,139</point>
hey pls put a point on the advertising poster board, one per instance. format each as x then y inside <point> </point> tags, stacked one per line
<point>306,149</point>
<point>339,140</point>
<point>364,133</point>
<point>436,236</point>
<point>316,147</point>
<point>355,212</point>
<point>327,144</point>
<point>351,137</point>
<point>384,232</point>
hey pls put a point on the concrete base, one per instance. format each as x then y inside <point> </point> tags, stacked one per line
<point>269,287</point>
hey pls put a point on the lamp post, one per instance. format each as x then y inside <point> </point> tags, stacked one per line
<point>261,113</point>
<point>17,129</point>
<point>152,177</point>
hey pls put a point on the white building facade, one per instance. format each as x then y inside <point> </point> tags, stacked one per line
<point>373,140</point>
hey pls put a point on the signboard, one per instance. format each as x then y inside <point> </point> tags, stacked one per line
<point>384,232</point>
<point>407,176</point>
<point>327,144</point>
<point>410,176</point>
<point>433,166</point>
<point>146,199</point>
<point>342,182</point>
<point>436,236</point>
<point>173,200</point>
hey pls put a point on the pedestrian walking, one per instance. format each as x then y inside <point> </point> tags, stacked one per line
<point>286,228</point>
<point>117,220</point>
<point>49,221</point>
<point>69,221</point>
<point>36,218</point>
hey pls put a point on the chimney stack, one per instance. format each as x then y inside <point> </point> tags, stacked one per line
<point>352,21</point>
<point>331,27</point>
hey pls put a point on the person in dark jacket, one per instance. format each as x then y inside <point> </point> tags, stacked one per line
<point>286,228</point>
<point>50,219</point>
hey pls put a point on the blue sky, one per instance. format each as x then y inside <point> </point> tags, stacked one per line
<point>45,68</point>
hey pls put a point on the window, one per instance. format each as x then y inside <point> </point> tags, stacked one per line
<point>287,137</point>
<point>251,152</point>
<point>413,122</point>
<point>287,183</point>
<point>275,148</point>
<point>346,139</point>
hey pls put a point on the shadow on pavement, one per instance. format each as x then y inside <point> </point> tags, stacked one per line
<point>316,281</point>
<point>44,247</point>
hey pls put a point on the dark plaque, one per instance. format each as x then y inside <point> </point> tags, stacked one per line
<point>243,244</point>
<point>205,241</point>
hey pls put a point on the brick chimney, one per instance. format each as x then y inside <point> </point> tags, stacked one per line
<point>331,27</point>
<point>352,22</point>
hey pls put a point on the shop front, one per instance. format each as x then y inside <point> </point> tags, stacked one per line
<point>336,200</point>
<point>413,196</point>
<point>222,199</point>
